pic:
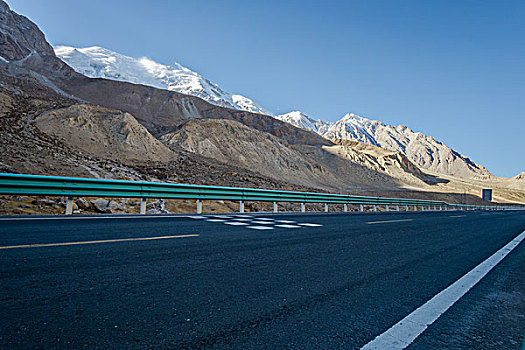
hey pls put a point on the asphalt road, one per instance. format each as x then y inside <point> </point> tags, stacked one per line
<point>219,285</point>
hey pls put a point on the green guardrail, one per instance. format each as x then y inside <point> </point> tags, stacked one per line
<point>39,185</point>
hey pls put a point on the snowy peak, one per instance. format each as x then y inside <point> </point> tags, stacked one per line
<point>98,62</point>
<point>301,120</point>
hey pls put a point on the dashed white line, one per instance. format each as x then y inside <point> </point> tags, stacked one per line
<point>403,333</point>
<point>288,226</point>
<point>387,221</point>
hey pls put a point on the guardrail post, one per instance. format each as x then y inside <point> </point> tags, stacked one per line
<point>143,202</point>
<point>360,207</point>
<point>199,206</point>
<point>415,207</point>
<point>397,207</point>
<point>303,209</point>
<point>406,207</point>
<point>326,207</point>
<point>275,208</point>
<point>345,207</point>
<point>422,208</point>
<point>375,207</point>
<point>241,207</point>
<point>69,205</point>
<point>387,207</point>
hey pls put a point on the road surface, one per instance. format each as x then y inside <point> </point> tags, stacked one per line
<point>259,281</point>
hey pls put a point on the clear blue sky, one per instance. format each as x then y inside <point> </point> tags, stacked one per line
<point>451,69</point>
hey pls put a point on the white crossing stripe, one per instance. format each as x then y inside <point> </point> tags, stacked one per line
<point>215,220</point>
<point>197,217</point>
<point>262,222</point>
<point>261,227</point>
<point>243,216</point>
<point>269,219</point>
<point>222,216</point>
<point>242,219</point>
<point>288,226</point>
<point>310,225</point>
<point>236,223</point>
<point>286,221</point>
<point>457,216</point>
<point>403,333</point>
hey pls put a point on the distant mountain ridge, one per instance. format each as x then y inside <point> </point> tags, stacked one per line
<point>98,62</point>
<point>425,151</point>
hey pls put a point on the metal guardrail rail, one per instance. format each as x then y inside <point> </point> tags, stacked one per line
<point>40,185</point>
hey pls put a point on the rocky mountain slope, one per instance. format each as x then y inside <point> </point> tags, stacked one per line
<point>97,62</point>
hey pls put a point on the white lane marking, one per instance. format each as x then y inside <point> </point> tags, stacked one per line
<point>269,219</point>
<point>457,216</point>
<point>197,217</point>
<point>288,226</point>
<point>262,222</point>
<point>310,225</point>
<point>242,219</point>
<point>222,216</point>
<point>403,333</point>
<point>235,223</point>
<point>261,227</point>
<point>95,242</point>
<point>243,216</point>
<point>215,220</point>
<point>386,221</point>
<point>286,221</point>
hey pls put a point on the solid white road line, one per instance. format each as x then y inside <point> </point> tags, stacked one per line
<point>386,221</point>
<point>403,333</point>
<point>261,227</point>
<point>95,242</point>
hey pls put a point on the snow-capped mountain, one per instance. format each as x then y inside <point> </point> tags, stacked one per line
<point>424,151</point>
<point>97,62</point>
